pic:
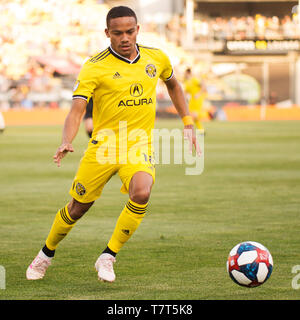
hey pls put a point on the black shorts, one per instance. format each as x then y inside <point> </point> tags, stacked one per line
<point>89,110</point>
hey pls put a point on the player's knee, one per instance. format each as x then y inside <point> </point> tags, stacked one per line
<point>141,196</point>
<point>77,209</point>
<point>140,187</point>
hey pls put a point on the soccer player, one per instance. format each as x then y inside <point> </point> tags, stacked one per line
<point>196,91</point>
<point>122,83</point>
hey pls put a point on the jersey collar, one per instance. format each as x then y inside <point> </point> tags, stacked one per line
<point>135,60</point>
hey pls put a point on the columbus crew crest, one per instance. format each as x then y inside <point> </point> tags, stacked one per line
<point>151,70</point>
<point>80,189</point>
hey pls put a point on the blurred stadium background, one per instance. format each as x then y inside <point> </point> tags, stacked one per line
<point>246,52</point>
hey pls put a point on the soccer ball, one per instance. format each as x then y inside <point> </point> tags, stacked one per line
<point>249,264</point>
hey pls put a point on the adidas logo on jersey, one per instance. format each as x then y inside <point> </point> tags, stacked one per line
<point>117,75</point>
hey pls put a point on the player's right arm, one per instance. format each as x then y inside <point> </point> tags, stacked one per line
<point>84,87</point>
<point>71,127</point>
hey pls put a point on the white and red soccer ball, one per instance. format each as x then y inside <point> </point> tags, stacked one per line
<point>249,264</point>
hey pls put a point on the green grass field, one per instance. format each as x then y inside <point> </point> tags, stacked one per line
<point>249,190</point>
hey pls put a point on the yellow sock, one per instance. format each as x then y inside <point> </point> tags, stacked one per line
<point>129,220</point>
<point>61,226</point>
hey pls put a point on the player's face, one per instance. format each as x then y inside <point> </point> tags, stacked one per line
<point>122,33</point>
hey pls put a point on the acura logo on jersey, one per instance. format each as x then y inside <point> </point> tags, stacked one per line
<point>136,90</point>
<point>134,102</point>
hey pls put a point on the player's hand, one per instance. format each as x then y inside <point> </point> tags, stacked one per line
<point>190,135</point>
<point>61,152</point>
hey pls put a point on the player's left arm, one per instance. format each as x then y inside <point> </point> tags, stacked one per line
<point>177,96</point>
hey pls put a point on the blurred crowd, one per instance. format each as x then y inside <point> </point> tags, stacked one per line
<point>236,28</point>
<point>44,43</point>
<point>259,27</point>
<point>69,30</point>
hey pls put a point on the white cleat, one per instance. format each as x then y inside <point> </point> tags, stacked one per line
<point>38,267</point>
<point>104,267</point>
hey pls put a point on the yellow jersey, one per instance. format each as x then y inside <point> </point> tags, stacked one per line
<point>123,91</point>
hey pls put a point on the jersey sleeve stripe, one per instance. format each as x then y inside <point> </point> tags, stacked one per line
<point>103,57</point>
<point>144,47</point>
<point>78,96</point>
<point>98,56</point>
<point>172,73</point>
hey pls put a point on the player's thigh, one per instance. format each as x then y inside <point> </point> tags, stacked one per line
<point>90,179</point>
<point>144,177</point>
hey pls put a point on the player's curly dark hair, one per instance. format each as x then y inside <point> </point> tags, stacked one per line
<point>120,11</point>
